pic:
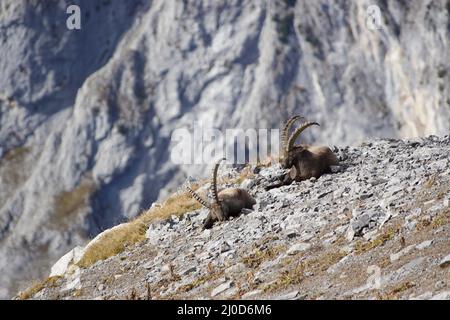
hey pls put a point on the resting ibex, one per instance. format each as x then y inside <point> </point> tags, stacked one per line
<point>228,202</point>
<point>304,161</point>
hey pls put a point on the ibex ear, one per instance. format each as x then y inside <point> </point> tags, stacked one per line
<point>293,172</point>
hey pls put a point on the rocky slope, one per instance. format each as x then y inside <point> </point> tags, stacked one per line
<point>378,227</point>
<point>86,116</point>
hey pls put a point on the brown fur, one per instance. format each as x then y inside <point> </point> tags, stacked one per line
<point>311,161</point>
<point>304,161</point>
<point>232,201</point>
<point>226,203</point>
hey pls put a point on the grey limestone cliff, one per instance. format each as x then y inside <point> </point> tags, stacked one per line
<point>86,116</point>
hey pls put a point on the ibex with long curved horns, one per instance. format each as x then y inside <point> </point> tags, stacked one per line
<point>226,203</point>
<point>304,161</point>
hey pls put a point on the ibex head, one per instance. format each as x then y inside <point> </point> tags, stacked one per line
<point>218,209</point>
<point>290,151</point>
<point>303,161</point>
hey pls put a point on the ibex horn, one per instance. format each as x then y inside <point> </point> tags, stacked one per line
<point>214,181</point>
<point>198,198</point>
<point>287,127</point>
<point>297,132</point>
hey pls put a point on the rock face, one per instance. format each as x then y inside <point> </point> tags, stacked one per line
<point>86,116</point>
<point>293,244</point>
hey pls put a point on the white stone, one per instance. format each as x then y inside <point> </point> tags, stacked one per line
<point>74,281</point>
<point>236,268</point>
<point>70,258</point>
<point>424,296</point>
<point>442,296</point>
<point>424,245</point>
<point>445,262</point>
<point>398,255</point>
<point>350,233</point>
<point>289,296</point>
<point>247,184</point>
<point>297,248</point>
<point>251,294</point>
<point>384,220</point>
<point>221,288</point>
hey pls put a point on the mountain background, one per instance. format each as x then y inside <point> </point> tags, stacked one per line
<point>86,116</point>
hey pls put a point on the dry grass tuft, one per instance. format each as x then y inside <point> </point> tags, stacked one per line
<point>12,166</point>
<point>16,153</point>
<point>115,240</point>
<point>236,179</point>
<point>36,287</point>
<point>384,262</point>
<point>258,256</point>
<point>441,220</point>
<point>68,202</point>
<point>112,242</point>
<point>387,235</point>
<point>402,287</point>
<point>293,272</point>
<point>326,260</point>
<point>212,274</point>
<point>431,181</point>
<point>269,161</point>
<point>292,276</point>
<point>176,205</point>
<point>394,293</point>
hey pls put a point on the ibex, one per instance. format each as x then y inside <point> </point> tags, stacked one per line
<point>304,161</point>
<point>226,203</point>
